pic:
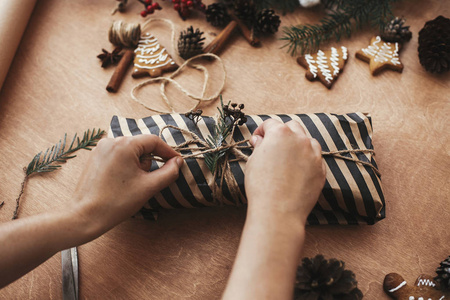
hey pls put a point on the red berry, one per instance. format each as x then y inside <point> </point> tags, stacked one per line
<point>143,13</point>
<point>202,6</point>
<point>190,3</point>
<point>183,1</point>
<point>175,1</point>
<point>155,5</point>
<point>176,6</point>
<point>148,2</point>
<point>150,9</point>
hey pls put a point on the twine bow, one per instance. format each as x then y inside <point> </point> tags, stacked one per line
<point>223,170</point>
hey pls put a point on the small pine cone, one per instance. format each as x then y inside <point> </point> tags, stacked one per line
<point>395,31</point>
<point>318,279</point>
<point>267,21</point>
<point>443,275</point>
<point>190,43</point>
<point>217,15</point>
<point>245,10</point>
<point>434,45</point>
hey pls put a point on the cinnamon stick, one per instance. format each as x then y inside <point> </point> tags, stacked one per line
<point>246,32</point>
<point>119,72</point>
<point>217,44</point>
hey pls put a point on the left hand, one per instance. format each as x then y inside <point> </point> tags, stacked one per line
<point>115,185</point>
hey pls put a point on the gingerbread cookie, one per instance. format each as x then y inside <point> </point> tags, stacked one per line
<point>395,286</point>
<point>381,55</point>
<point>324,65</point>
<point>151,58</point>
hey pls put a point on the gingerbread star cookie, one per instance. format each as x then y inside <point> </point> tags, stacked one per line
<point>381,55</point>
<point>324,65</point>
<point>395,286</point>
<point>151,58</point>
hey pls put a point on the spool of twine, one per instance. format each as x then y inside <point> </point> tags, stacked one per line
<point>127,36</point>
<point>124,34</point>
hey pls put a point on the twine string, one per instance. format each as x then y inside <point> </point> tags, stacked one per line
<point>188,63</point>
<point>223,170</point>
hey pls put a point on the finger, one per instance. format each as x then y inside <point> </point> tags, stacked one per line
<point>296,127</point>
<point>324,167</point>
<point>149,143</point>
<point>316,147</point>
<point>266,126</point>
<point>146,163</point>
<point>164,176</point>
<point>255,140</point>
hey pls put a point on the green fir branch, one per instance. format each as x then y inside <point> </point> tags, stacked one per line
<point>344,17</point>
<point>219,135</point>
<point>51,159</point>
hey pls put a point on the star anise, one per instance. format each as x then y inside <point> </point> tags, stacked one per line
<point>110,58</point>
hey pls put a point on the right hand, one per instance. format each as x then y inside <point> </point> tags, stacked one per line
<point>285,173</point>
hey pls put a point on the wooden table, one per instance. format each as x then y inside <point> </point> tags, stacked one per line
<point>55,85</point>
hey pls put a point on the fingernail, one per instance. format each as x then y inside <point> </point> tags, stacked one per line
<point>253,140</point>
<point>179,161</point>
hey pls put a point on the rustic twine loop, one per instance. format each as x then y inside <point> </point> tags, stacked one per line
<point>223,170</point>
<point>188,63</point>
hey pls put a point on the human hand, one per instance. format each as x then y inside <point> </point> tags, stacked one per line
<point>285,173</point>
<point>115,184</point>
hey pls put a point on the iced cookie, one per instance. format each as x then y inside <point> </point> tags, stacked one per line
<point>381,55</point>
<point>324,65</point>
<point>395,286</point>
<point>151,58</point>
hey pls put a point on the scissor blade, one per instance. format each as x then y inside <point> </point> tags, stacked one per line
<point>69,260</point>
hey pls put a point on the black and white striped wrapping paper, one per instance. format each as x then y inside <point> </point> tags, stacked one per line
<point>352,193</point>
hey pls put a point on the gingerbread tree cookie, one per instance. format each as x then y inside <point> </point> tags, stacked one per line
<point>324,65</point>
<point>395,286</point>
<point>381,55</point>
<point>151,58</point>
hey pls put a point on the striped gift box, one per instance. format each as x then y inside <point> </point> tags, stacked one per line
<point>352,193</point>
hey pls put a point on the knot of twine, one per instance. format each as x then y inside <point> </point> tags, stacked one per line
<point>223,170</point>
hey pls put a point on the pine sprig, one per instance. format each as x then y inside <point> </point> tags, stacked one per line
<point>344,17</point>
<point>230,116</point>
<point>58,153</point>
<point>220,133</point>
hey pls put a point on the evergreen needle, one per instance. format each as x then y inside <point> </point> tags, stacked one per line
<point>221,130</point>
<point>51,159</point>
<point>344,17</point>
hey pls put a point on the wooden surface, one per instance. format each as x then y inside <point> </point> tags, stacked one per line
<point>55,85</point>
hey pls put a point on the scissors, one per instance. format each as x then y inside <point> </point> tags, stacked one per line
<point>69,260</point>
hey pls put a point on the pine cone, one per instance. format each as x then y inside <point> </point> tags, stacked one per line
<point>267,21</point>
<point>245,10</point>
<point>434,45</point>
<point>190,43</point>
<point>321,279</point>
<point>443,275</point>
<point>217,14</point>
<point>395,31</point>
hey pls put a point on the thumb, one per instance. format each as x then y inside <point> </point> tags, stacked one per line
<point>165,175</point>
<point>255,140</point>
